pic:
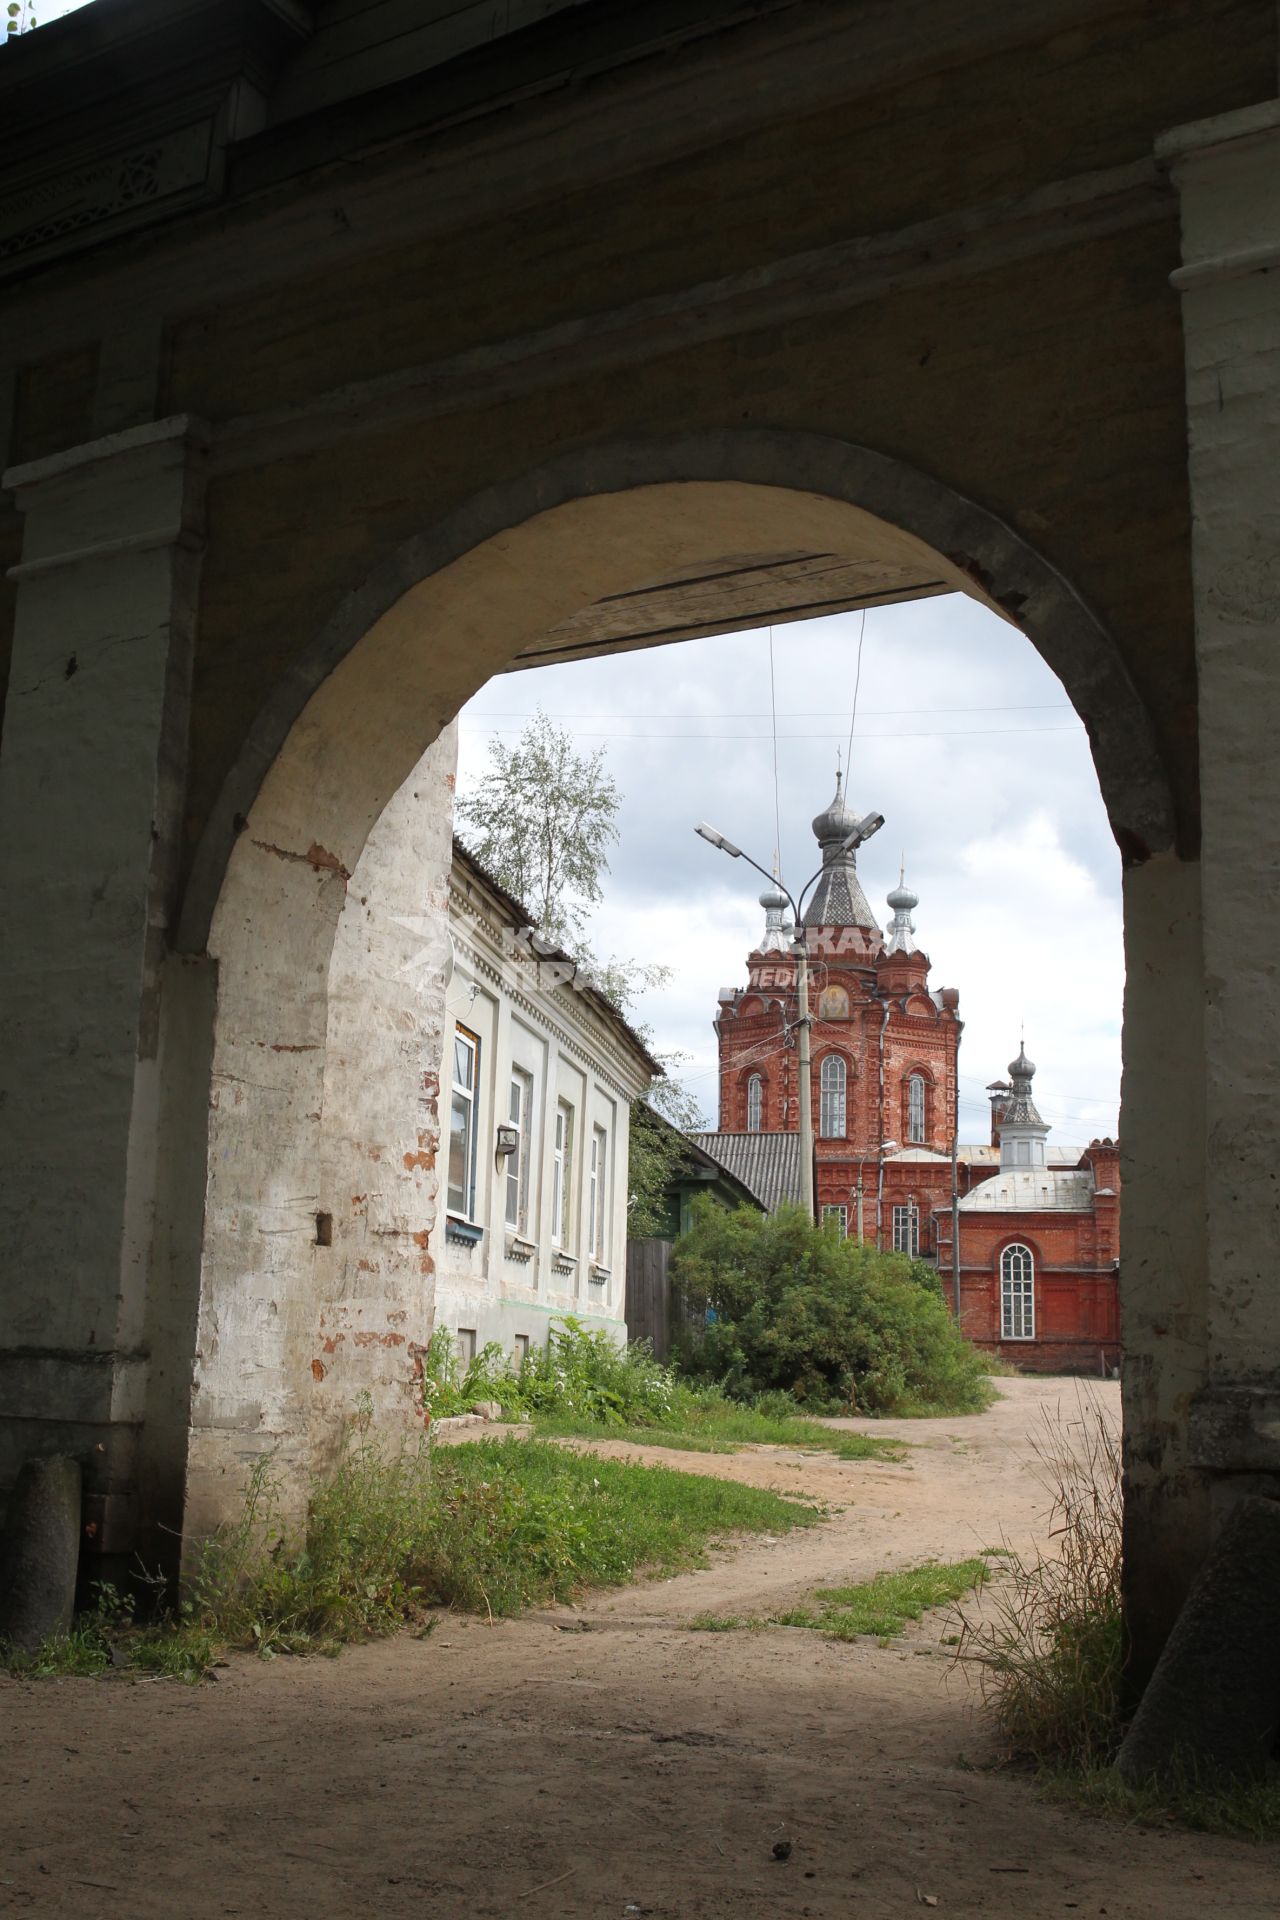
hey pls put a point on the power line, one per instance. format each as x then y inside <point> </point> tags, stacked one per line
<point>777,807</point>
<point>910,733</point>
<point>853,717</point>
<point>763,713</point>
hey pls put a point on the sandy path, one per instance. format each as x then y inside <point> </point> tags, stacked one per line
<point>621,1771</point>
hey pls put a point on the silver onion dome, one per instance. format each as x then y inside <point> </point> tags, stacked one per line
<point>836,821</point>
<point>1022,1068</point>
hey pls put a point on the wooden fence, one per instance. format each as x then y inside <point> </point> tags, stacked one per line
<point>649,1294</point>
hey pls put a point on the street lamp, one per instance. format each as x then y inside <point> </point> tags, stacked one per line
<point>869,824</point>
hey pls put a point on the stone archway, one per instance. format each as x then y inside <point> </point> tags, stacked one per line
<point>333,825</point>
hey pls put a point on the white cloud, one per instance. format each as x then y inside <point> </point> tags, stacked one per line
<point>965,742</point>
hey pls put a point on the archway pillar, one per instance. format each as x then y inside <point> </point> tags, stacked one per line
<point>106,597</point>
<point>1225,170</point>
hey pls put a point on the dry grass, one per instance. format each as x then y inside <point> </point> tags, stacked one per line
<point>1048,1642</point>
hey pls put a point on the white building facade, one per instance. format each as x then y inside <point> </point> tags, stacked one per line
<point>536,1085</point>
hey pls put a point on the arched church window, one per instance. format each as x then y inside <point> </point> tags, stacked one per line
<point>1017,1293</point>
<point>832,1085</point>
<point>755,1103</point>
<point>915,1110</point>
<point>833,1003</point>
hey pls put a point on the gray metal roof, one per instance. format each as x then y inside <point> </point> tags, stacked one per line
<point>1031,1190</point>
<point>767,1164</point>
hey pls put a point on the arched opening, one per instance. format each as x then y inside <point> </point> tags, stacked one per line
<point>323,1203</point>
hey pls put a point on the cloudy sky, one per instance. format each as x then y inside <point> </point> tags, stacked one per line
<point>966,744</point>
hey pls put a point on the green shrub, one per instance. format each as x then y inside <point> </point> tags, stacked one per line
<point>775,1304</point>
<point>581,1371</point>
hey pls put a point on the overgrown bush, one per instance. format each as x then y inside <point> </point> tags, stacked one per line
<point>580,1371</point>
<point>776,1304</point>
<point>1048,1644</point>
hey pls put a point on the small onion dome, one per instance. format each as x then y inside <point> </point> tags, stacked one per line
<point>835,822</point>
<point>1022,1067</point>
<point>773,899</point>
<point>901,898</point>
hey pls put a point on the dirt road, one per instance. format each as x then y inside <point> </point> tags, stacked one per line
<point>609,1763</point>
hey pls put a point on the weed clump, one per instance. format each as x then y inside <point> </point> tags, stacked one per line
<point>580,1373</point>
<point>1049,1647</point>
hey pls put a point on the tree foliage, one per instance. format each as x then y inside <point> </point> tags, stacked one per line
<point>542,820</point>
<point>776,1303</point>
<point>20,17</point>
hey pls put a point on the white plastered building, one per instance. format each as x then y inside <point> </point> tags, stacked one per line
<point>536,1085</point>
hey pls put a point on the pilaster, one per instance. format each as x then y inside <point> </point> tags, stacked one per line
<point>92,766</point>
<point>1227,172</point>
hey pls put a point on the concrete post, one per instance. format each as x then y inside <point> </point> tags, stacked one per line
<point>91,775</point>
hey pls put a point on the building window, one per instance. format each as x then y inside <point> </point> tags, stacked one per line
<point>841,1217</point>
<point>462,1124</point>
<point>915,1110</point>
<point>832,1083</point>
<point>561,1175</point>
<point>519,1113</point>
<point>906,1229</point>
<point>596,1209</point>
<point>1017,1294</point>
<point>755,1103</point>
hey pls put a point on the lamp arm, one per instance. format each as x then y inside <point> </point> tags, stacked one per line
<point>773,880</point>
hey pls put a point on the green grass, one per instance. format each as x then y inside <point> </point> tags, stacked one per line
<point>1192,1798</point>
<point>526,1522</point>
<point>883,1606</point>
<point>492,1527</point>
<point>701,1423</point>
<point>880,1607</point>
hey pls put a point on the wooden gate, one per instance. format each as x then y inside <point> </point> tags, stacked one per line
<point>649,1294</point>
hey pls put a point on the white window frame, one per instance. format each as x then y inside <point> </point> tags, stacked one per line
<point>562,1177</point>
<point>840,1213</point>
<point>906,1229</point>
<point>916,1099</point>
<point>598,1195</point>
<point>464,1093</point>
<point>1017,1292</point>
<point>520,1116</point>
<point>755,1103</point>
<point>833,1082</point>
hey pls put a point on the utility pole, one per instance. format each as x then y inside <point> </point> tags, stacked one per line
<point>861,832</point>
<point>955,1211</point>
<point>801,950</point>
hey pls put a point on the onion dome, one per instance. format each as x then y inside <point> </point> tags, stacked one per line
<point>777,932</point>
<point>902,928</point>
<point>838,899</point>
<point>1022,1131</point>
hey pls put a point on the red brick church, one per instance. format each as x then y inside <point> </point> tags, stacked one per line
<point>1036,1272</point>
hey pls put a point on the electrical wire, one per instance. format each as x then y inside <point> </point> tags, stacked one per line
<point>937,733</point>
<point>853,717</point>
<point>777,806</point>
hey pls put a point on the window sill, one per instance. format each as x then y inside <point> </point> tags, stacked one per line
<point>464,1233</point>
<point>599,1276</point>
<point>518,1248</point>
<point>562,1262</point>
